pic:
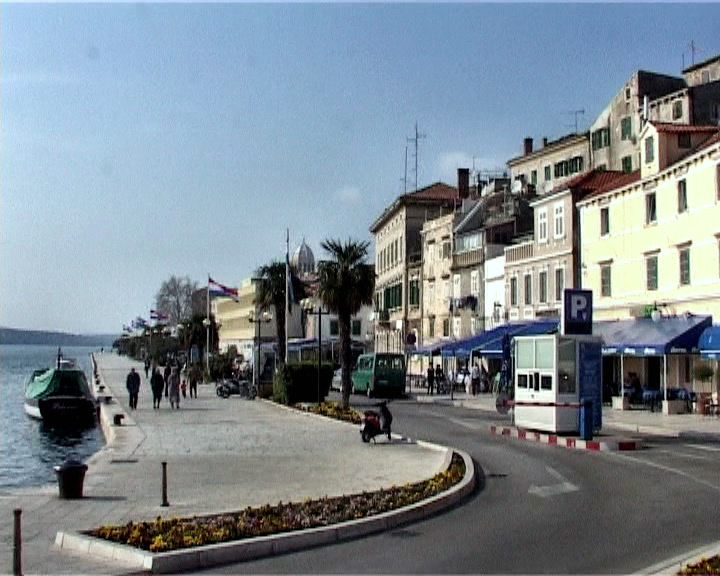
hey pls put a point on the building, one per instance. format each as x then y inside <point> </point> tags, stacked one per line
<point>540,267</point>
<point>703,80</point>
<point>398,253</point>
<point>552,165</point>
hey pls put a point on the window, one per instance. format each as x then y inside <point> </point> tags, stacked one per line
<point>627,164</point>
<point>446,249</point>
<point>677,109</point>
<point>334,331</point>
<point>475,282</point>
<point>684,265</point>
<point>456,286</point>
<point>431,327</point>
<point>414,292</point>
<point>562,169</point>
<point>576,164</point>
<point>649,149</point>
<point>684,140</point>
<point>600,138</point>
<point>626,128</point>
<point>543,286</point>
<point>548,175</point>
<point>605,279</point>
<point>430,293</point>
<point>446,289</point>
<point>559,283</point>
<point>559,220</point>
<point>446,327</point>
<point>356,327</point>
<point>705,76</point>
<point>651,271</point>
<point>682,196</point>
<point>604,221</point>
<point>542,225</point>
<point>533,177</point>
<point>650,209</point>
<point>513,291</point>
<point>456,326</point>
<point>528,289</point>
<point>473,326</point>
<point>627,93</point>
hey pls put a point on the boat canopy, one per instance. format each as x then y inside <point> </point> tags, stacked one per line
<point>57,382</point>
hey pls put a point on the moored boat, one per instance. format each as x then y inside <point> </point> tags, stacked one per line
<point>60,395</point>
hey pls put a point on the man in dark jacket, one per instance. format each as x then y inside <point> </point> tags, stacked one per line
<point>166,376</point>
<point>157,383</point>
<point>132,383</point>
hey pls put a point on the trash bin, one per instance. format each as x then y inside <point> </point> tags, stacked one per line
<point>71,475</point>
<point>586,419</point>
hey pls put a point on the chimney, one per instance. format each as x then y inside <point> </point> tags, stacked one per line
<point>463,182</point>
<point>527,146</point>
<point>544,141</point>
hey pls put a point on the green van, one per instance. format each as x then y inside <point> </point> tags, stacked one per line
<point>379,374</point>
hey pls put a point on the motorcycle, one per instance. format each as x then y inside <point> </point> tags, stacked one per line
<point>374,423</point>
<point>243,388</point>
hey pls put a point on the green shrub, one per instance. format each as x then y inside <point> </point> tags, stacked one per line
<point>298,382</point>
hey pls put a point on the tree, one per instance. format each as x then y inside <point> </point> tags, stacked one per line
<point>174,299</point>
<point>346,284</point>
<point>271,294</point>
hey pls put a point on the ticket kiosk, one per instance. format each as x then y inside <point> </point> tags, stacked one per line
<point>554,375</point>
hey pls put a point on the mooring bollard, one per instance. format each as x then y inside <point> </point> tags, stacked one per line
<point>164,485</point>
<point>17,544</point>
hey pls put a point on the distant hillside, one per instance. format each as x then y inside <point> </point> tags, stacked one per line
<point>13,336</point>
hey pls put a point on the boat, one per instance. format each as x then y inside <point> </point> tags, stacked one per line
<point>60,395</point>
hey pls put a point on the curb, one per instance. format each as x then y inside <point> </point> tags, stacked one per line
<point>567,442</point>
<point>249,549</point>
<point>677,563</point>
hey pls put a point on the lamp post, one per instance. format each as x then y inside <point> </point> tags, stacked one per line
<point>257,319</point>
<point>307,306</point>
<point>207,323</point>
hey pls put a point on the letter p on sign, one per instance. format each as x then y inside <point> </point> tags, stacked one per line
<point>577,312</point>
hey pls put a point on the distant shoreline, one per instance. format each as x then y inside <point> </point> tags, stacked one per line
<point>13,336</point>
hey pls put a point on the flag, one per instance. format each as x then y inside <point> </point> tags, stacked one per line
<point>140,322</point>
<point>217,289</point>
<point>158,316</point>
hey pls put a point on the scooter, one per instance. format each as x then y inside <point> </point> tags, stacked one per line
<point>375,423</point>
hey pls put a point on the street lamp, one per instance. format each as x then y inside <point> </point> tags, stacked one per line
<point>206,322</point>
<point>308,306</point>
<point>256,319</point>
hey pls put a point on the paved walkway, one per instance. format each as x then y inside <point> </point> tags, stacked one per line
<point>614,421</point>
<point>221,455</point>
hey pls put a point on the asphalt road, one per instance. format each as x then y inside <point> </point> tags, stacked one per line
<point>538,508</point>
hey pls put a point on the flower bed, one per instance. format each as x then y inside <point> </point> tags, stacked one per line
<point>332,410</point>
<point>705,566</point>
<point>176,533</point>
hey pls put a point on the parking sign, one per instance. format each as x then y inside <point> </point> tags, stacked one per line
<point>576,312</point>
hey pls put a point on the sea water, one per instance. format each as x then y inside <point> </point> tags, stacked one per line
<point>28,448</point>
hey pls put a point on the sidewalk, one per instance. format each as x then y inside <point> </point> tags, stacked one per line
<point>637,421</point>
<point>221,455</point>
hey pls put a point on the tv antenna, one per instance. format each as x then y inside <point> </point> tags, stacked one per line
<point>414,140</point>
<point>693,50</point>
<point>575,113</point>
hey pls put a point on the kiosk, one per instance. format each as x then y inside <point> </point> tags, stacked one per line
<point>554,376</point>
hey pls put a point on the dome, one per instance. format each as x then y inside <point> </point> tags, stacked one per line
<point>303,259</point>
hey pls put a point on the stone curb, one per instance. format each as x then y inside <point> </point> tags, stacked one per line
<point>567,442</point>
<point>242,550</point>
<point>677,563</point>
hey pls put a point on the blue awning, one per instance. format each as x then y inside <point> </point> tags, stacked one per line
<point>648,337</point>
<point>492,347</point>
<point>709,343</point>
<point>431,349</point>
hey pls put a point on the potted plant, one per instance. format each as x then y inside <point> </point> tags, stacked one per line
<point>704,373</point>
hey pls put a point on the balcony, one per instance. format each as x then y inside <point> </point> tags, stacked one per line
<point>383,316</point>
<point>468,258</point>
<point>519,252</point>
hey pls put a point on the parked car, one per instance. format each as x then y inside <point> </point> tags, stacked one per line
<point>379,374</point>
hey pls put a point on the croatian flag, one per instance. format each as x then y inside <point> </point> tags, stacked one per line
<point>217,289</point>
<point>159,316</point>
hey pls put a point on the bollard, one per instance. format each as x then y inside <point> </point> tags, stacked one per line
<point>164,485</point>
<point>17,544</point>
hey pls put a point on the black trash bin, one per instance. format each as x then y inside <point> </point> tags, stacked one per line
<point>71,475</point>
<point>586,419</point>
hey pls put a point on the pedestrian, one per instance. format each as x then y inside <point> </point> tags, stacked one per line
<point>475,379</point>
<point>484,380</point>
<point>430,379</point>
<point>147,367</point>
<point>166,376</point>
<point>132,383</point>
<point>157,383</point>
<point>174,387</point>
<point>439,378</point>
<point>193,380</point>
<point>183,387</point>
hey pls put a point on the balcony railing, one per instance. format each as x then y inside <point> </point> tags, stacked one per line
<point>519,252</point>
<point>468,258</point>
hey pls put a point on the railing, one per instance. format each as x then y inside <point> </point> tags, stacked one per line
<point>468,258</point>
<point>519,252</point>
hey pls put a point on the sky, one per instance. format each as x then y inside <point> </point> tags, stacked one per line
<point>140,141</point>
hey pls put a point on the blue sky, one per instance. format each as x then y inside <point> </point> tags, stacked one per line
<point>140,141</point>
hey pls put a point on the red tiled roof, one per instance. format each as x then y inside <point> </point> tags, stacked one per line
<point>601,181</point>
<point>436,191</point>
<point>682,128</point>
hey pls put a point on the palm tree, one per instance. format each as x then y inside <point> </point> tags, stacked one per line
<point>346,283</point>
<point>271,294</point>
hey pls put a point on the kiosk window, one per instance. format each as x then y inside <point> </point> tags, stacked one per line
<point>566,367</point>
<point>522,380</point>
<point>525,356</point>
<point>544,354</point>
<point>545,382</point>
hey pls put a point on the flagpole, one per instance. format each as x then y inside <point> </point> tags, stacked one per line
<point>287,291</point>
<point>207,328</point>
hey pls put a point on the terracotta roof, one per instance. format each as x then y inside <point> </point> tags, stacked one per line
<point>601,181</point>
<point>681,128</point>
<point>436,191</point>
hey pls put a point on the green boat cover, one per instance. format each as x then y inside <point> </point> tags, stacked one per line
<point>57,382</point>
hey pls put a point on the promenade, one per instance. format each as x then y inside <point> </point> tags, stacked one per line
<point>221,455</point>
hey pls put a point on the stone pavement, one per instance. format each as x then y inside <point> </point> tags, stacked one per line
<point>221,455</point>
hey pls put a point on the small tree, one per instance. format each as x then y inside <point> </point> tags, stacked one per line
<point>174,299</point>
<point>703,372</point>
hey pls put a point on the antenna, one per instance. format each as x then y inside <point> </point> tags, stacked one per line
<point>693,50</point>
<point>415,140</point>
<point>576,113</point>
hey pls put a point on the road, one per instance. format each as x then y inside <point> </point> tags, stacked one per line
<point>538,508</point>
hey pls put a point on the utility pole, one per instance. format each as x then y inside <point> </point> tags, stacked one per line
<point>415,140</point>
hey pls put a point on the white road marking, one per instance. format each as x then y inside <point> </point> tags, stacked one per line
<point>704,447</point>
<point>473,424</point>
<point>684,455</point>
<point>666,469</point>
<point>563,487</point>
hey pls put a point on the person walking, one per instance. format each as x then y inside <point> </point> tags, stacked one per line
<point>166,376</point>
<point>440,379</point>
<point>132,383</point>
<point>157,382</point>
<point>147,367</point>
<point>475,379</point>
<point>174,387</point>
<point>430,379</point>
<point>193,377</point>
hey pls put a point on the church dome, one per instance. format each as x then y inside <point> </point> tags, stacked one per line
<point>303,259</point>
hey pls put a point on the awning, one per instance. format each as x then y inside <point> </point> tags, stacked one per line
<point>492,347</point>
<point>709,343</point>
<point>431,349</point>
<point>648,337</point>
